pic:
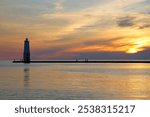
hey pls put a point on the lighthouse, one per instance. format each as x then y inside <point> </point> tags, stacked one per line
<point>26,54</point>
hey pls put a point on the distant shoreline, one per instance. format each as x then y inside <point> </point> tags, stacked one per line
<point>82,61</point>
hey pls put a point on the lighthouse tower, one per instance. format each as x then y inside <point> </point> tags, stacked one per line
<point>26,54</point>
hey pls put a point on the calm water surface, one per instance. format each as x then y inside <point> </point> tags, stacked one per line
<point>74,81</point>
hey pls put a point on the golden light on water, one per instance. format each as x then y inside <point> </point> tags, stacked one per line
<point>121,81</point>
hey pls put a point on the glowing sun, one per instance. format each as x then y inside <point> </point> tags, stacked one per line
<point>132,51</point>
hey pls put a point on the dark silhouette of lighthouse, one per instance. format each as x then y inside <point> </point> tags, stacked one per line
<point>26,54</point>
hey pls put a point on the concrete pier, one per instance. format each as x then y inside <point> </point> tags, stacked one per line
<point>98,61</point>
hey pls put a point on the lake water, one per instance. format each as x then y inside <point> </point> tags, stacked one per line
<point>74,81</point>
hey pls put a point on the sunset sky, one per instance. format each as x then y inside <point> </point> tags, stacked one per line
<point>69,29</point>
